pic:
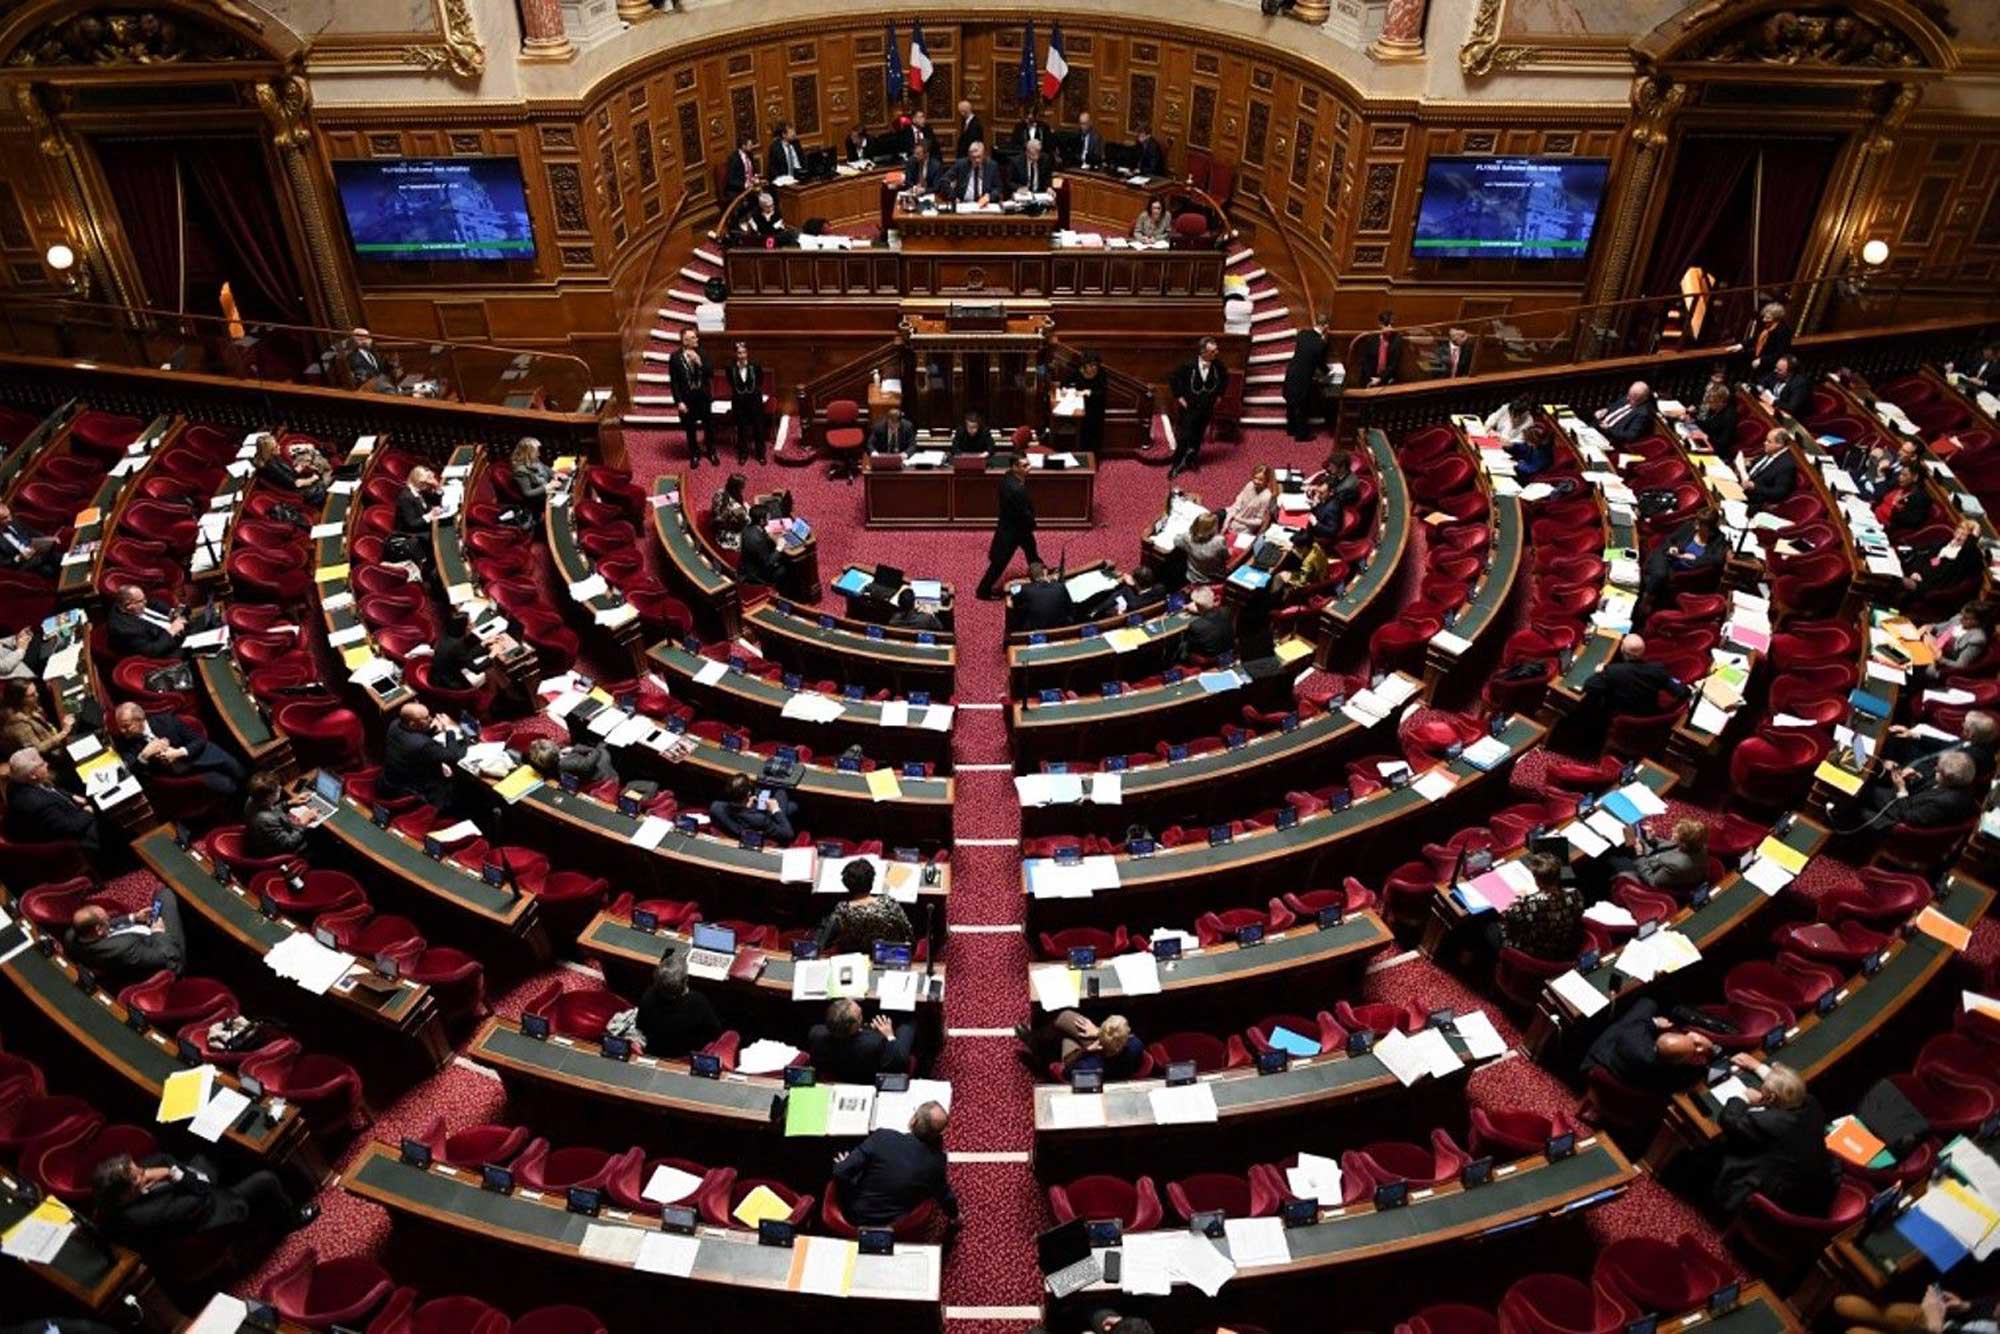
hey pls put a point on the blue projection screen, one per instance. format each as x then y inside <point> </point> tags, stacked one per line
<point>436,209</point>
<point>1509,207</point>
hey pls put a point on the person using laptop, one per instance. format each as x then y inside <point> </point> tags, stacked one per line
<point>271,826</point>
<point>673,1019</point>
<point>846,1051</point>
<point>749,809</point>
<point>892,1172</point>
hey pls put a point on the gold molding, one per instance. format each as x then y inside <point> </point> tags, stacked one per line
<point>1484,53</point>
<point>452,47</point>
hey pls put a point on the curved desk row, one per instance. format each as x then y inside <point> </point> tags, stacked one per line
<point>758,703</point>
<point>77,579</point>
<point>241,714</point>
<point>1483,613</point>
<point>370,1007</point>
<point>1359,602</point>
<point>1520,1194</point>
<point>1135,718</point>
<point>733,1277</point>
<point>1196,877</point>
<point>45,439</point>
<point>88,1270</point>
<point>1210,785</point>
<point>820,645</point>
<point>608,612</point>
<point>709,586</point>
<point>334,591</point>
<point>64,1018</point>
<point>1817,1044</point>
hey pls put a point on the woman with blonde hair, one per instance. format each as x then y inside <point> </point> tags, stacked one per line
<point>1071,1040</point>
<point>1770,338</point>
<point>531,475</point>
<point>1255,505</point>
<point>1206,548</point>
<point>1678,861</point>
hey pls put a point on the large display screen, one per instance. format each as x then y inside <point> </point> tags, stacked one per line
<point>436,209</point>
<point>1509,207</point>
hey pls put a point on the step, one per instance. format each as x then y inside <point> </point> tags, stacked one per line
<point>709,257</point>
<point>1265,359</point>
<point>1263,421</point>
<point>700,275</point>
<point>682,294</point>
<point>678,317</point>
<point>1272,313</point>
<point>1274,336</point>
<point>1252,276</point>
<point>1262,377</point>
<point>1260,295</point>
<point>655,401</point>
<point>1246,252</point>
<point>653,377</point>
<point>1266,399</point>
<point>644,419</point>
<point>659,356</point>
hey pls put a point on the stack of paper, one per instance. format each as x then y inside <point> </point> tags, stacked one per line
<point>1050,879</point>
<point>302,959</point>
<point>1575,989</point>
<point>1048,789</point>
<point>1411,1058</point>
<point>1187,1104</point>
<point>1315,1178</point>
<point>766,1056</point>
<point>1257,1241</point>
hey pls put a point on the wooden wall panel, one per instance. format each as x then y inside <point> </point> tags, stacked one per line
<point>1938,205</point>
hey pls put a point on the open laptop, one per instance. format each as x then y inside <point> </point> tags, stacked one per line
<point>324,799</point>
<point>1067,1263</point>
<point>713,953</point>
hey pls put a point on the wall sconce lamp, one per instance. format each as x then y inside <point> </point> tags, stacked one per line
<point>1875,253</point>
<point>62,262</point>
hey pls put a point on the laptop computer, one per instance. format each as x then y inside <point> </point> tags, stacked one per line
<point>324,799</point>
<point>1066,1259</point>
<point>713,953</point>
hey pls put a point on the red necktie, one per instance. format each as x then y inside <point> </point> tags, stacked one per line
<point>1381,353</point>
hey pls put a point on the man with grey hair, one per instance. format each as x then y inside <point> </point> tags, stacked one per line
<point>1632,418</point>
<point>845,1051</point>
<point>1948,799</point>
<point>1916,755</point>
<point>40,812</point>
<point>891,1172</point>
<point>674,1020</point>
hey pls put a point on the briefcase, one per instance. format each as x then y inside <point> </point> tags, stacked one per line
<point>1893,1118</point>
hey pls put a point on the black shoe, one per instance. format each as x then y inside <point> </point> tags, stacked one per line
<point>987,595</point>
<point>1023,1034</point>
<point>307,1213</point>
<point>713,459</point>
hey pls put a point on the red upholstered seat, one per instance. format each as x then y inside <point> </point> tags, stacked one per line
<point>1056,945</point>
<point>61,1161</point>
<point>339,1292</point>
<point>580,1014</point>
<point>26,1116</point>
<point>544,1168</point>
<point>1559,1304</point>
<point>1750,1020</point>
<point>1322,1028</point>
<point>1782,1241</point>
<point>1135,1204</point>
<point>51,906</point>
<point>1843,944</point>
<point>326,1088</point>
<point>1247,1196</point>
<point>1791,982</point>
<point>168,1001</point>
<point>726,1190</point>
<point>1656,1275</point>
<point>558,1320</point>
<point>1511,1133</point>
<point>910,1227</point>
<point>1448,1318</point>
<point>1208,1053</point>
<point>474,1146</point>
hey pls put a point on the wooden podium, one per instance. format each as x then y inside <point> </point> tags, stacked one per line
<point>976,231</point>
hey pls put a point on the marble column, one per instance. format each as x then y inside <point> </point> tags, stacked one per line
<point>543,36</point>
<point>633,11</point>
<point>1402,32</point>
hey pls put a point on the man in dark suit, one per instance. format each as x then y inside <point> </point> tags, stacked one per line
<point>1978,736</point>
<point>1985,372</point>
<point>1642,1049</point>
<point>758,562</point>
<point>1772,475</point>
<point>160,743</point>
<point>974,177</point>
<point>1043,603</point>
<point>785,158</point>
<point>845,1051</point>
<point>742,172</point>
<point>1773,1144</point>
<point>1148,158</point>
<point>1376,356</point>
<point>919,129</point>
<point>1632,417</point>
<point>1948,797</point>
<point>1013,529</point>
<point>1138,592</point>
<point>673,1019</point>
<point>894,434</point>
<point>746,405</point>
<point>1090,145</point>
<point>923,171</point>
<point>419,753</point>
<point>364,364</point>
<point>694,389</point>
<point>748,809</point>
<point>1197,385</point>
<point>970,130</point>
<point>161,1200</point>
<point>143,628</point>
<point>1211,633</point>
<point>893,1171</point>
<point>1034,176</point>
<point>1932,568</point>
<point>40,812</point>
<point>418,503</point>
<point>130,947</point>
<point>1629,686</point>
<point>1454,355</point>
<point>1302,374</point>
<point>1032,129</point>
<point>972,437</point>
<point>1786,388</point>
<point>22,548</point>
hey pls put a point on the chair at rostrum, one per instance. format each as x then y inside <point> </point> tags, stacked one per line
<point>339,1292</point>
<point>1659,1276</point>
<point>842,437</point>
<point>1784,1242</point>
<point>1135,1204</point>
<point>912,1226</point>
<point>1248,1196</point>
<point>326,1088</point>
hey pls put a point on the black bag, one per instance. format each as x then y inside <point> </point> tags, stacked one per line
<point>1657,500</point>
<point>170,680</point>
<point>1892,1118</point>
<point>284,513</point>
<point>404,547</point>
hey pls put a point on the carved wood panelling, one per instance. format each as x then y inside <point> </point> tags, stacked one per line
<point>1139,100</point>
<point>689,116</point>
<point>1201,120</point>
<point>1256,132</point>
<point>14,233</point>
<point>566,192</point>
<point>1302,144</point>
<point>558,138</point>
<point>1378,196</point>
<point>743,114</point>
<point>385,145</point>
<point>1920,224</point>
<point>1075,92</point>
<point>874,96</point>
<point>805,103</point>
<point>938,99</point>
<point>742,62</point>
<point>1006,95</point>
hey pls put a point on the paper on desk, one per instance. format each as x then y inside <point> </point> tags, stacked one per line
<point>1092,583</point>
<point>824,1265</point>
<point>1394,1051</point>
<point>1257,1241</point>
<point>795,865</point>
<point>1188,1104</point>
<point>1048,789</point>
<point>937,718</point>
<point>1138,973</point>
<point>811,706</point>
<point>1147,1269</point>
<point>669,1185</point>
<point>583,590</point>
<point>1315,1178</point>
<point>1055,986</point>
<point>1434,784</point>
<point>1436,1052</point>
<point>1582,997</point>
<point>767,1055</point>
<point>896,713</point>
<point>711,671</point>
<point>1768,876</point>
<point>1482,1041</point>
<point>667,1253</point>
<point>185,1092</point>
<point>1107,789</point>
<point>894,1110</point>
<point>39,1237</point>
<point>1200,1262</point>
<point>897,988</point>
<point>220,1113</point>
<point>652,831</point>
<point>224,1314</point>
<point>883,785</point>
<point>610,1243</point>
<point>1584,839</point>
<point>1075,1111</point>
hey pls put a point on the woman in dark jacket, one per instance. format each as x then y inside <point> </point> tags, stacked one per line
<point>268,827</point>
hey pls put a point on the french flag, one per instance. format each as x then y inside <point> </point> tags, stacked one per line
<point>920,60</point>
<point>1055,69</point>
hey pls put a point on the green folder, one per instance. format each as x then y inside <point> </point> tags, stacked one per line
<point>806,1110</point>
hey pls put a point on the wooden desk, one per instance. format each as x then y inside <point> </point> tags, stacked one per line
<point>1133,719</point>
<point>975,229</point>
<point>906,497</point>
<point>344,507</point>
<point>241,714</point>
<point>696,572</point>
<point>88,1270</point>
<point>734,1278</point>
<point>1365,596</point>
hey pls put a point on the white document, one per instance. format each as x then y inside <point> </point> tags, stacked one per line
<point>850,1110</point>
<point>1107,789</point>
<point>897,988</point>
<point>767,1055</point>
<point>1200,1262</point>
<point>894,1110</point>
<point>1486,752</point>
<point>1607,913</point>
<point>219,1113</point>
<point>224,1314</point>
<point>829,1265</point>
<point>1707,717</point>
<point>83,748</point>
<point>811,980</point>
<point>669,1185</point>
<point>1257,1241</point>
<point>666,1253</point>
<point>1138,973</point>
<point>811,706</point>
<point>1048,789</point>
<point>1584,839</point>
<point>1731,1087</point>
<point>711,671</point>
<point>1768,876</point>
<point>1315,1178</point>
<point>652,832</point>
<point>1482,1041</point>
<point>1091,583</point>
<point>353,634</point>
<point>1606,826</point>
<point>1189,1104</point>
<point>1147,1268</point>
<point>611,1244</point>
<point>1076,1111</point>
<point>896,713</point>
<point>937,718</point>
<point>1575,988</point>
<point>583,590</point>
<point>37,1240</point>
<point>1435,1050</point>
<point>1055,986</point>
<point>1394,1051</point>
<point>795,865</point>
